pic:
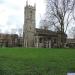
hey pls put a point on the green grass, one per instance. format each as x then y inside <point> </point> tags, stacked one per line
<point>36,61</point>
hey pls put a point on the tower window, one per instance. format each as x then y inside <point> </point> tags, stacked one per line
<point>40,40</point>
<point>31,14</point>
<point>30,28</point>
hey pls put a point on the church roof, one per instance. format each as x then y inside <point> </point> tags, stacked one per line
<point>44,32</point>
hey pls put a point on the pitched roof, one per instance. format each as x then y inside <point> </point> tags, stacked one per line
<point>45,32</point>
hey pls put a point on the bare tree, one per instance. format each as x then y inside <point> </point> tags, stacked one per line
<point>44,24</point>
<point>20,31</point>
<point>13,31</point>
<point>59,15</point>
<point>0,30</point>
<point>72,32</point>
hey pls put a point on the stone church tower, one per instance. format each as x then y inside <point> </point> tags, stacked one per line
<point>29,25</point>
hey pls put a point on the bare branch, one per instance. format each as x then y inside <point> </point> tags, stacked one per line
<point>59,13</point>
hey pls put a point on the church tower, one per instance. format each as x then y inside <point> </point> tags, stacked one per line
<point>29,25</point>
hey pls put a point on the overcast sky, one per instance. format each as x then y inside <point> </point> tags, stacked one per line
<point>12,13</point>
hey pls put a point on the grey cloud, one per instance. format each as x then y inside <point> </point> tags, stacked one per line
<point>2,1</point>
<point>14,20</point>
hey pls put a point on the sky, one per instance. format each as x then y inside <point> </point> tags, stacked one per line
<point>12,14</point>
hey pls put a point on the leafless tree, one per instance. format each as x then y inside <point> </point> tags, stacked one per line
<point>0,30</point>
<point>13,31</point>
<point>44,24</point>
<point>59,15</point>
<point>20,31</point>
<point>72,32</point>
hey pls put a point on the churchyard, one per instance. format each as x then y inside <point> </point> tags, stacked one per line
<point>36,61</point>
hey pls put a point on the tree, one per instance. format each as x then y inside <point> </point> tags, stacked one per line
<point>44,24</point>
<point>0,30</point>
<point>72,32</point>
<point>13,31</point>
<point>59,15</point>
<point>20,32</point>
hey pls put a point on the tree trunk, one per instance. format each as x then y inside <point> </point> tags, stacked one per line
<point>62,34</point>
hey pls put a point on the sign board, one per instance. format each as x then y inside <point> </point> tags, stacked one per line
<point>70,73</point>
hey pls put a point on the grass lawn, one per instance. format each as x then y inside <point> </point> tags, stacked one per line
<point>36,61</point>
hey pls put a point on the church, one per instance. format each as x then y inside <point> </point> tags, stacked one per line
<point>38,38</point>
